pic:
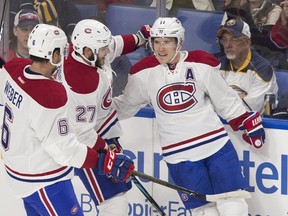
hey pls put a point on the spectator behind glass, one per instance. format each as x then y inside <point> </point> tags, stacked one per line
<point>268,24</point>
<point>243,68</point>
<point>62,13</point>
<point>25,20</point>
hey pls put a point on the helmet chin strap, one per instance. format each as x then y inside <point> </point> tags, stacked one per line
<point>59,66</point>
<point>56,64</point>
<point>92,63</point>
<point>176,53</point>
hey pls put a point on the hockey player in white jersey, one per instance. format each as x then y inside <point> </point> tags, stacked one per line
<point>39,148</point>
<point>187,92</point>
<point>88,78</point>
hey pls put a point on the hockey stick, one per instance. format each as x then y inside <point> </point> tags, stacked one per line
<point>147,195</point>
<point>210,198</point>
<point>2,19</point>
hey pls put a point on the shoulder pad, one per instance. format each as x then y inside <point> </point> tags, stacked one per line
<point>82,78</point>
<point>17,64</point>
<point>200,56</point>
<point>147,62</point>
<point>51,94</point>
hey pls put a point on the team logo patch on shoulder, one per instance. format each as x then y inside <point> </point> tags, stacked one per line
<point>74,210</point>
<point>176,97</point>
<point>184,197</point>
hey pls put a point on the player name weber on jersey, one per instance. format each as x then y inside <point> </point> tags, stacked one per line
<point>12,95</point>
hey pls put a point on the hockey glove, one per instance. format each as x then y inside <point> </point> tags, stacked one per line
<point>143,35</point>
<point>254,133</point>
<point>118,165</point>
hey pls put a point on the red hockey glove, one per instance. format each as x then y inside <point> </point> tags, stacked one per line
<point>254,133</point>
<point>143,35</point>
<point>117,165</point>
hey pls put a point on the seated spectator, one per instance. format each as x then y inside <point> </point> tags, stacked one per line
<point>243,68</point>
<point>268,24</point>
<point>25,20</point>
<point>62,13</point>
<point>280,33</point>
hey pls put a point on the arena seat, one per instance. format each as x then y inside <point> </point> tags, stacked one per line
<point>200,29</point>
<point>87,11</point>
<point>282,81</point>
<point>128,19</point>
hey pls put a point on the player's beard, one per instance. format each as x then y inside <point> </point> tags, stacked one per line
<point>91,58</point>
<point>100,62</point>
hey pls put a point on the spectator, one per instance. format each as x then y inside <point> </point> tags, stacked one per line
<point>268,25</point>
<point>39,158</point>
<point>186,90</point>
<point>61,13</point>
<point>243,68</point>
<point>280,31</point>
<point>25,20</point>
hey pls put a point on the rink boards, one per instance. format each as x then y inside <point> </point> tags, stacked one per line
<point>265,170</point>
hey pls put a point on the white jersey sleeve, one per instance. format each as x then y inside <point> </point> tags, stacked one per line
<point>133,98</point>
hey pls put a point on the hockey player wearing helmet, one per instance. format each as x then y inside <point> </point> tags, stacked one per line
<point>89,78</point>
<point>187,94</point>
<point>39,147</point>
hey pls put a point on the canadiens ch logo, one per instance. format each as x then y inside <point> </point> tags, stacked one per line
<point>184,197</point>
<point>107,100</point>
<point>176,97</point>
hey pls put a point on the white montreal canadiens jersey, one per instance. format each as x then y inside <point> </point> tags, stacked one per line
<point>185,102</point>
<point>36,147</point>
<point>90,95</point>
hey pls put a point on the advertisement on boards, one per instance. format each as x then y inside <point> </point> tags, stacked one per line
<point>265,170</point>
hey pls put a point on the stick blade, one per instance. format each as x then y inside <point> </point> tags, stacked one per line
<point>229,195</point>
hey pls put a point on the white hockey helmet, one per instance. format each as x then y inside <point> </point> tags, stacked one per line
<point>167,27</point>
<point>44,39</point>
<point>92,34</point>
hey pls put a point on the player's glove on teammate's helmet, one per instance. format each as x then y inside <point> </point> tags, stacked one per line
<point>143,35</point>
<point>118,165</point>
